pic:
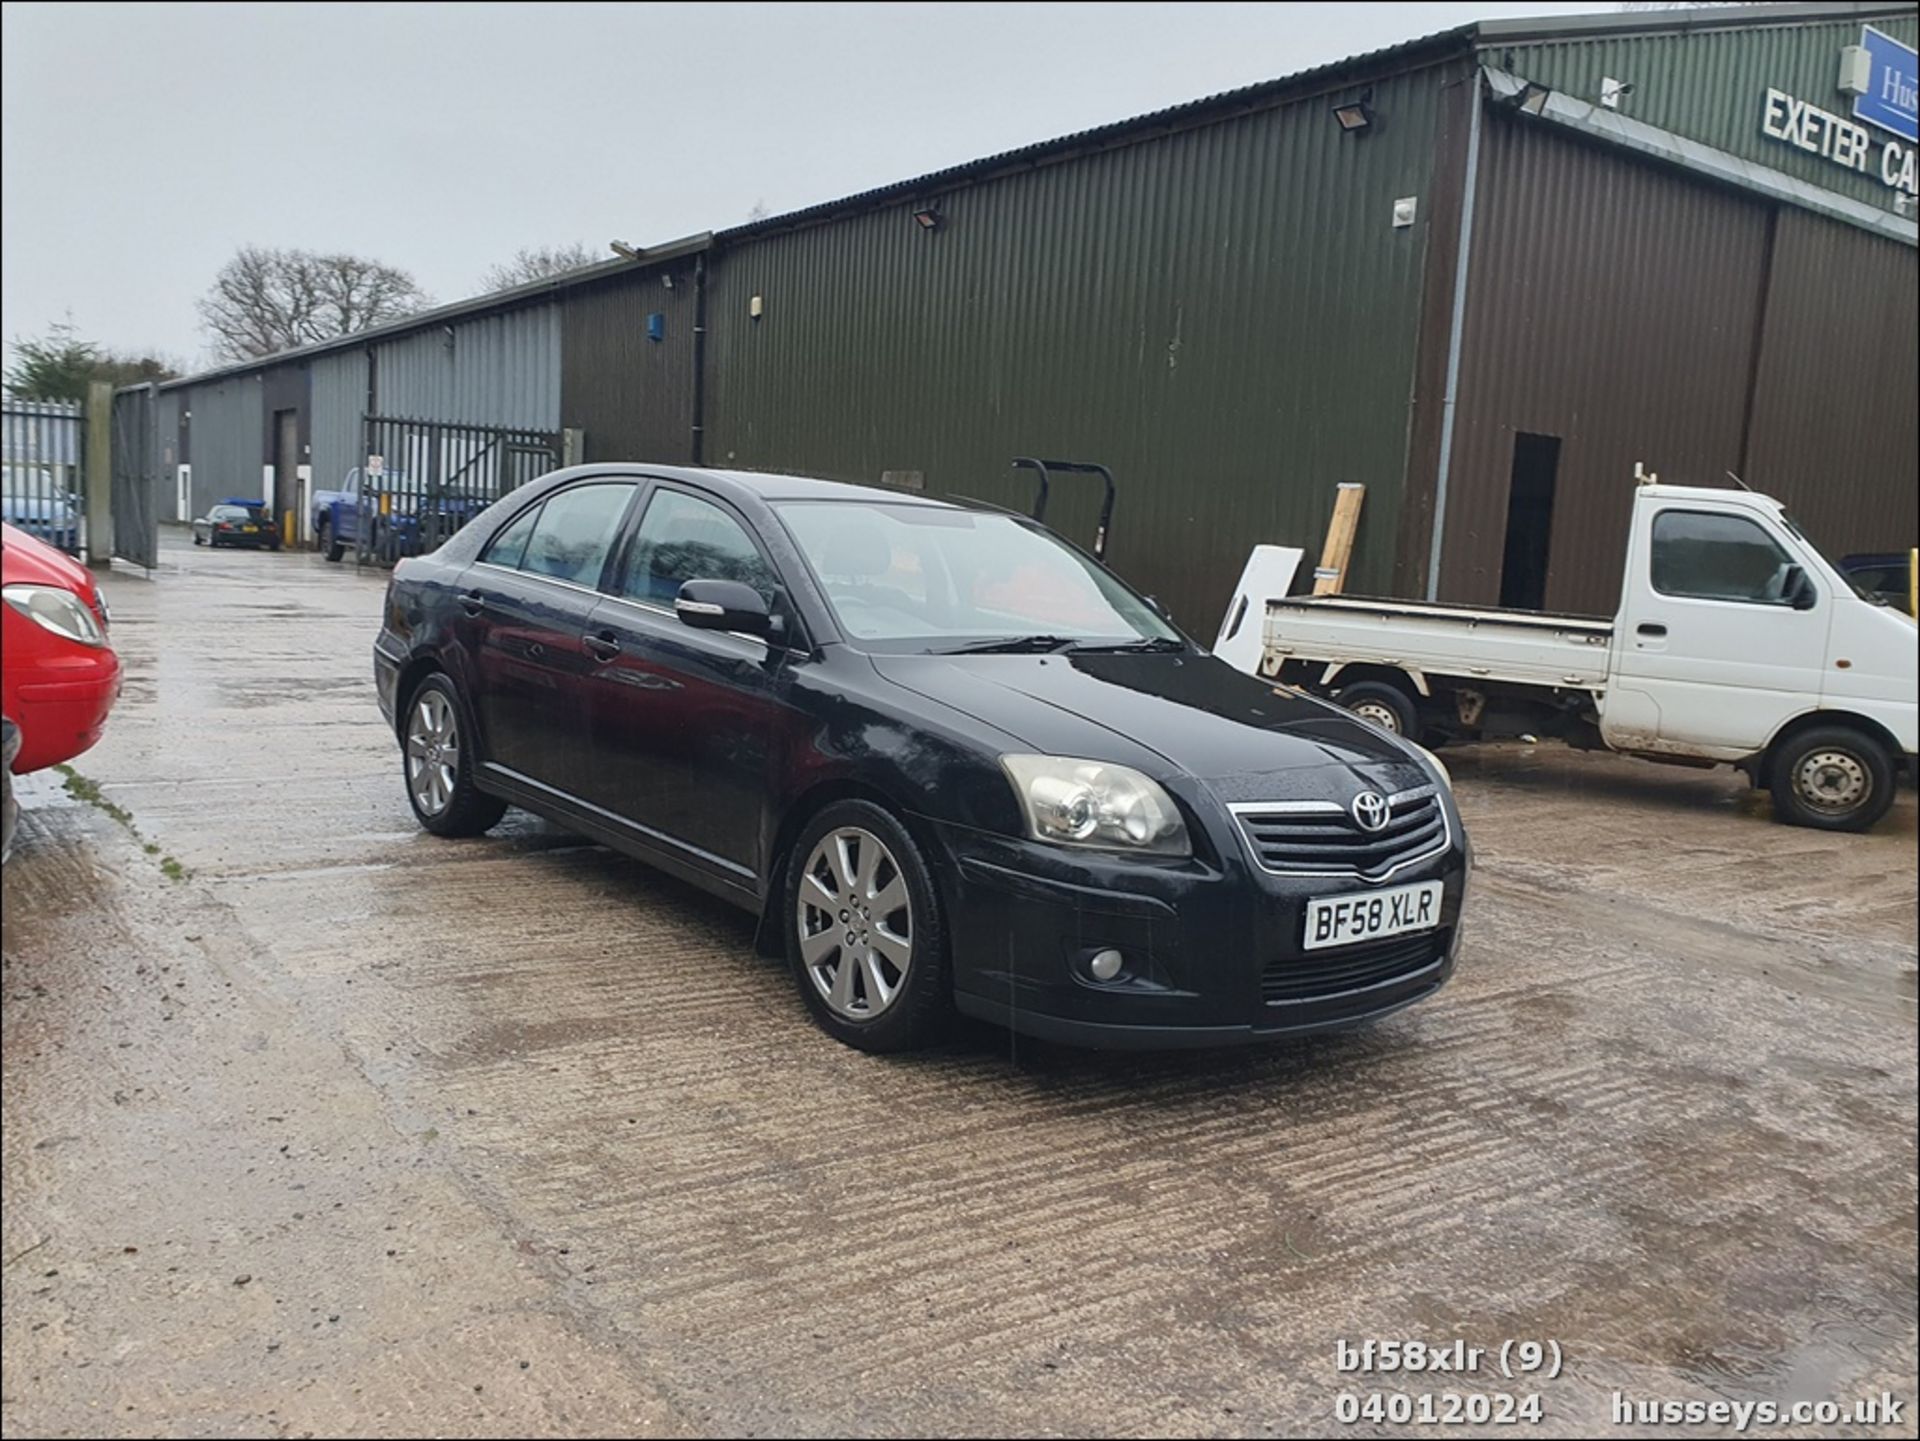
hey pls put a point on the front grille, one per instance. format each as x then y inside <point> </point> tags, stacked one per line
<point>1319,976</point>
<point>1321,838</point>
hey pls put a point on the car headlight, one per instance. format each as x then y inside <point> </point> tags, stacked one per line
<point>60,611</point>
<point>1092,803</point>
<point>1433,760</point>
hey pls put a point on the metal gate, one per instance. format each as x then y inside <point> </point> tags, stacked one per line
<point>136,474</point>
<point>42,486</point>
<point>424,479</point>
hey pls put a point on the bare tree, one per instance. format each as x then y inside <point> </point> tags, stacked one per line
<point>264,300</point>
<point>537,262</point>
<point>758,212</point>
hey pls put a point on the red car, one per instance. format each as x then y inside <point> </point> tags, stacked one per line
<point>58,676</point>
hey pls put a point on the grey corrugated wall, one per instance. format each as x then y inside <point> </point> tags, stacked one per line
<point>339,390</point>
<point>225,422</point>
<point>490,370</point>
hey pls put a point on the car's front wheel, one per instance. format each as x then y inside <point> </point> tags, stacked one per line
<point>865,934</point>
<point>439,762</point>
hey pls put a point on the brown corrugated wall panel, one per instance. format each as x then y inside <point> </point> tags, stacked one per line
<point>1613,305</point>
<point>633,396</point>
<point>1836,430</point>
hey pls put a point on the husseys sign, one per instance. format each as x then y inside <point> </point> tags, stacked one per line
<point>1881,75</point>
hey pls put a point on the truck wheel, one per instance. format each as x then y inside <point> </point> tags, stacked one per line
<point>332,548</point>
<point>1387,706</point>
<point>1832,778</point>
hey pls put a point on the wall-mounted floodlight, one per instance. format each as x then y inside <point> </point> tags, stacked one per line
<point>928,217</point>
<point>623,250</point>
<point>1532,98</point>
<point>1355,117</point>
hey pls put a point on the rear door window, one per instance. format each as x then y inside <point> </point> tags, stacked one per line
<point>574,532</point>
<point>509,547</point>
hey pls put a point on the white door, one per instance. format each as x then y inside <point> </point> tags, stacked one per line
<point>1722,634</point>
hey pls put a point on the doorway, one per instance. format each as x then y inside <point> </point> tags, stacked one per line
<point>1523,564</point>
<point>286,472</point>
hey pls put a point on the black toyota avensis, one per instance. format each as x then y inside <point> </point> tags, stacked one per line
<point>949,760</point>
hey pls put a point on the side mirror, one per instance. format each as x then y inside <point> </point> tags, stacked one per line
<point>1799,590</point>
<point>724,605</point>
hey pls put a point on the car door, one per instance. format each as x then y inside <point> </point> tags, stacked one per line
<point>1711,645</point>
<point>527,600</point>
<point>680,719</point>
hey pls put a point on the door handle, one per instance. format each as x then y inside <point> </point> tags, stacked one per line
<point>1651,628</point>
<point>602,646</point>
<point>473,602</point>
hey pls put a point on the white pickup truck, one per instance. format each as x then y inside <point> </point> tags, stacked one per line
<point>1736,642</point>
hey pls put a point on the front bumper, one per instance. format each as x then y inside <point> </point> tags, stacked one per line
<point>1213,951</point>
<point>62,709</point>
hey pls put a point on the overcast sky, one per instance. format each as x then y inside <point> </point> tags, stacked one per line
<point>143,143</point>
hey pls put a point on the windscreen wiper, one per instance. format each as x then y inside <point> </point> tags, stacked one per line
<point>1141,646</point>
<point>1012,645</point>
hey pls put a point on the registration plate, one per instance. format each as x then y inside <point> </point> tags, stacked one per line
<point>1369,915</point>
<point>249,529</point>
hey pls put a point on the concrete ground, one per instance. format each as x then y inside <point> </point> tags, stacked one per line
<point>318,1125</point>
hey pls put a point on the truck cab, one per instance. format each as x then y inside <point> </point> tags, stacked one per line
<point>1735,634</point>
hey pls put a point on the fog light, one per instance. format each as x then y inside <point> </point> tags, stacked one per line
<point>1105,965</point>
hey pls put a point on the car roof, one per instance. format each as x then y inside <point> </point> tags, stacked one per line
<point>766,485</point>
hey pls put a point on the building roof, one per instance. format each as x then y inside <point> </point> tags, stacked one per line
<point>1461,39</point>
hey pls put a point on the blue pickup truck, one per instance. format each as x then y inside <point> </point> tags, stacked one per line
<point>391,507</point>
<point>336,516</point>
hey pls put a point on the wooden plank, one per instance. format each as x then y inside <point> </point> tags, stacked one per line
<point>1331,577</point>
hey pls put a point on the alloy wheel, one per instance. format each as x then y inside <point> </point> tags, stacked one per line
<point>856,923</point>
<point>433,752</point>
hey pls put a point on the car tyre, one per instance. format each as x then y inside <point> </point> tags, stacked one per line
<point>876,979</point>
<point>436,761</point>
<point>1832,778</point>
<point>1386,705</point>
<point>324,538</point>
<point>9,808</point>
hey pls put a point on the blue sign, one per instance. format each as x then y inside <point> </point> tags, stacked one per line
<point>1892,97</point>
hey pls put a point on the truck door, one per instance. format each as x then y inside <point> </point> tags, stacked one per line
<point>1722,633</point>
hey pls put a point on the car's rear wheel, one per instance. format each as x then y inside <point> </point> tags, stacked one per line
<point>324,538</point>
<point>1832,778</point>
<point>438,764</point>
<point>865,934</point>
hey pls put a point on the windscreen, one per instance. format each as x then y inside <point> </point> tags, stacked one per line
<point>927,578</point>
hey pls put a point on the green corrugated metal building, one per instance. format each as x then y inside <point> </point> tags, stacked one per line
<point>1534,256</point>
